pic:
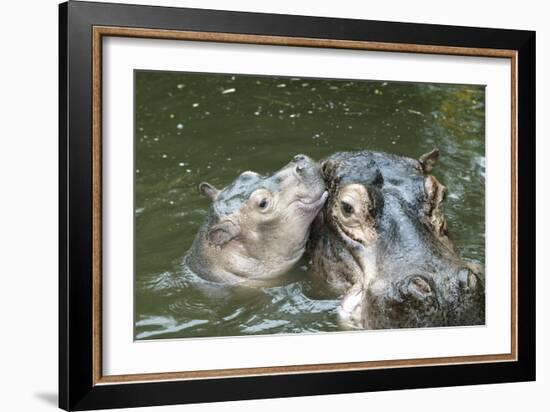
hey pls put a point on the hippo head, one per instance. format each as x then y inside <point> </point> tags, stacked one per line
<point>258,226</point>
<point>382,241</point>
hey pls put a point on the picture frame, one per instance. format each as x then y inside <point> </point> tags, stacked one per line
<point>82,383</point>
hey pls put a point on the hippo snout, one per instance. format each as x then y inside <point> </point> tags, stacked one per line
<point>305,167</point>
<point>300,158</point>
<point>302,162</point>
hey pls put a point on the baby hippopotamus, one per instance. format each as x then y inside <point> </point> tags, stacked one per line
<point>382,242</point>
<point>257,227</point>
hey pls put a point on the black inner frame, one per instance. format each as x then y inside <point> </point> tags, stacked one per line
<point>76,389</point>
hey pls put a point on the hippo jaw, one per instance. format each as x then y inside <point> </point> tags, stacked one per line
<point>258,226</point>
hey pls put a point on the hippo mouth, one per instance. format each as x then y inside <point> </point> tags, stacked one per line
<point>312,205</point>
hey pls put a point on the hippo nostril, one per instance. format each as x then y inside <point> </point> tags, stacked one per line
<point>468,279</point>
<point>299,158</point>
<point>416,286</point>
<point>473,281</point>
<point>299,169</point>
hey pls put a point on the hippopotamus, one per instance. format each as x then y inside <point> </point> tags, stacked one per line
<point>257,227</point>
<point>382,242</point>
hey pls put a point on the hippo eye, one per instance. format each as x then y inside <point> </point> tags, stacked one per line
<point>262,204</point>
<point>347,208</point>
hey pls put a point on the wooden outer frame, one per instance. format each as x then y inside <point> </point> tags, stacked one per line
<point>101,31</point>
<point>94,386</point>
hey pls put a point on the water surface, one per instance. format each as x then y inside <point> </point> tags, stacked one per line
<point>203,127</point>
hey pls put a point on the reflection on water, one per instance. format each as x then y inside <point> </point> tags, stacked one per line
<point>196,127</point>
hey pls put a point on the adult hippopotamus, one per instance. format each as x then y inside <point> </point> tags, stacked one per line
<point>381,241</point>
<point>257,227</point>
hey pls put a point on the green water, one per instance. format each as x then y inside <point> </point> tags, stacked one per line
<point>201,127</point>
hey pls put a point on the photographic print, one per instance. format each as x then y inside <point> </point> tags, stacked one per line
<point>288,205</point>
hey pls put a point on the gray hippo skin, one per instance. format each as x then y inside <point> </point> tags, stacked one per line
<point>382,242</point>
<point>257,227</point>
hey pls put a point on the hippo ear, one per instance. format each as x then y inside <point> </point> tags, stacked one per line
<point>223,232</point>
<point>209,191</point>
<point>428,160</point>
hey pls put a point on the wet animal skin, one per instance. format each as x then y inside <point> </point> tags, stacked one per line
<point>382,243</point>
